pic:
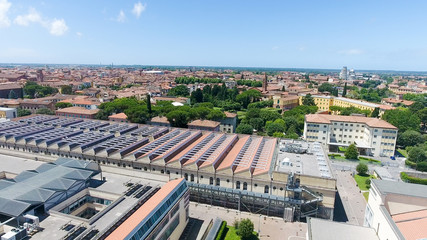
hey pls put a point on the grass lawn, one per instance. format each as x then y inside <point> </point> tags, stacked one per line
<point>342,158</point>
<point>403,152</point>
<point>360,180</point>
<point>232,235</point>
<point>366,195</point>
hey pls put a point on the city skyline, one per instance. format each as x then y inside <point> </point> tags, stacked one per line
<point>362,35</point>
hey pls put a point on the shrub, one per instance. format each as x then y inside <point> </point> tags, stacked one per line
<point>368,183</point>
<point>351,152</point>
<point>406,178</point>
<point>221,232</point>
<point>411,164</point>
<point>421,166</point>
<point>362,169</point>
<point>246,228</point>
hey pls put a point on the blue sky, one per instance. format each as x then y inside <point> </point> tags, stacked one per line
<point>377,35</point>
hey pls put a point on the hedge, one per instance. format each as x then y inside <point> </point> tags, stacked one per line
<point>222,232</point>
<point>369,159</point>
<point>421,166</point>
<point>406,178</point>
<point>410,164</point>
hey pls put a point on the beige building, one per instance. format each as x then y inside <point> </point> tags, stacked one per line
<point>374,137</point>
<point>397,210</point>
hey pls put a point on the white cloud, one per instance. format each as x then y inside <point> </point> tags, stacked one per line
<point>351,52</point>
<point>138,8</point>
<point>275,48</point>
<point>32,17</point>
<point>4,9</point>
<point>79,34</point>
<point>56,27</point>
<point>122,17</point>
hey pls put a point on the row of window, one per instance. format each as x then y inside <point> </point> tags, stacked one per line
<point>340,135</point>
<point>160,212</point>
<point>351,125</point>
<point>389,131</point>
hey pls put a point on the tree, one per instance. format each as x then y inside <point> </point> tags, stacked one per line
<point>197,96</point>
<point>409,138</point>
<point>416,106</point>
<point>216,115</point>
<point>278,135</point>
<point>149,103</point>
<point>308,100</point>
<point>179,91</point>
<point>351,152</point>
<point>423,117</point>
<point>375,113</point>
<point>417,154</point>
<point>368,183</point>
<point>274,127</point>
<point>178,118</point>
<point>244,128</point>
<point>12,95</point>
<point>402,119</point>
<point>245,229</point>
<point>66,89</point>
<point>46,111</point>
<point>23,112</point>
<point>344,91</point>
<point>362,169</point>
<point>257,123</point>
<point>60,105</point>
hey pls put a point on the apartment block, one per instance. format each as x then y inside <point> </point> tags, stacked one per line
<point>372,136</point>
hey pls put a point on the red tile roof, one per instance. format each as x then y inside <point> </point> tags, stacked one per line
<point>327,119</point>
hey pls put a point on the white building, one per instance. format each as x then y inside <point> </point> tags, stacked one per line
<point>372,136</point>
<point>8,113</point>
<point>397,210</point>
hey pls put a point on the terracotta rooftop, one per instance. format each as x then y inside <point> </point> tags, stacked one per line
<point>204,123</point>
<point>160,120</point>
<point>327,119</point>
<point>118,116</point>
<point>77,110</point>
<point>137,217</point>
<point>412,224</point>
<point>230,115</point>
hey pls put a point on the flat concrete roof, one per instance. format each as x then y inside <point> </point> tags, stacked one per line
<point>320,229</point>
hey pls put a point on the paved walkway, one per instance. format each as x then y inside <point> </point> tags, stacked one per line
<point>270,227</point>
<point>352,199</point>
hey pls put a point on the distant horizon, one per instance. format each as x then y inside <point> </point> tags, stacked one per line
<point>218,67</point>
<point>296,34</point>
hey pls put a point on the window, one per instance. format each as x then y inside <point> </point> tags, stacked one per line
<point>186,176</point>
<point>192,177</point>
<point>238,185</point>
<point>245,186</point>
<point>266,189</point>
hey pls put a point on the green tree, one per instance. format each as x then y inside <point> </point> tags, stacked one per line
<point>257,123</point>
<point>362,169</point>
<point>46,111</point>
<point>179,91</point>
<point>148,100</point>
<point>66,89</point>
<point>60,105</point>
<point>278,135</point>
<point>410,138</point>
<point>416,106</point>
<point>375,113</point>
<point>178,118</point>
<point>244,128</point>
<point>269,115</point>
<point>245,229</point>
<point>197,96</point>
<point>344,91</point>
<point>23,112</point>
<point>417,154</point>
<point>422,114</point>
<point>216,115</point>
<point>12,95</point>
<point>274,127</point>
<point>402,119</point>
<point>351,152</point>
<point>308,100</point>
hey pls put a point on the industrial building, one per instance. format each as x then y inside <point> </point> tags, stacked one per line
<point>231,170</point>
<point>73,199</point>
<point>373,136</point>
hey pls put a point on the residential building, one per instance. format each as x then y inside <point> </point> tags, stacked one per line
<point>77,112</point>
<point>397,210</point>
<point>8,113</point>
<point>119,117</point>
<point>229,123</point>
<point>160,121</point>
<point>205,125</point>
<point>33,105</point>
<point>11,89</point>
<point>374,137</point>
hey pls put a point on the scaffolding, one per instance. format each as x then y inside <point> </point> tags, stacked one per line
<point>293,207</point>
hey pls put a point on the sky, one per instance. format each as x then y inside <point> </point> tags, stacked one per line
<point>369,35</point>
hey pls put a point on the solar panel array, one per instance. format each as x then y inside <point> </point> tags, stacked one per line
<point>156,143</point>
<point>247,153</point>
<point>197,150</point>
<point>150,131</point>
<point>10,125</point>
<point>262,156</point>
<point>52,135</point>
<point>89,125</point>
<point>38,119</point>
<point>170,148</point>
<point>121,128</point>
<point>114,144</point>
<point>84,140</point>
<point>24,131</point>
<point>63,122</point>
